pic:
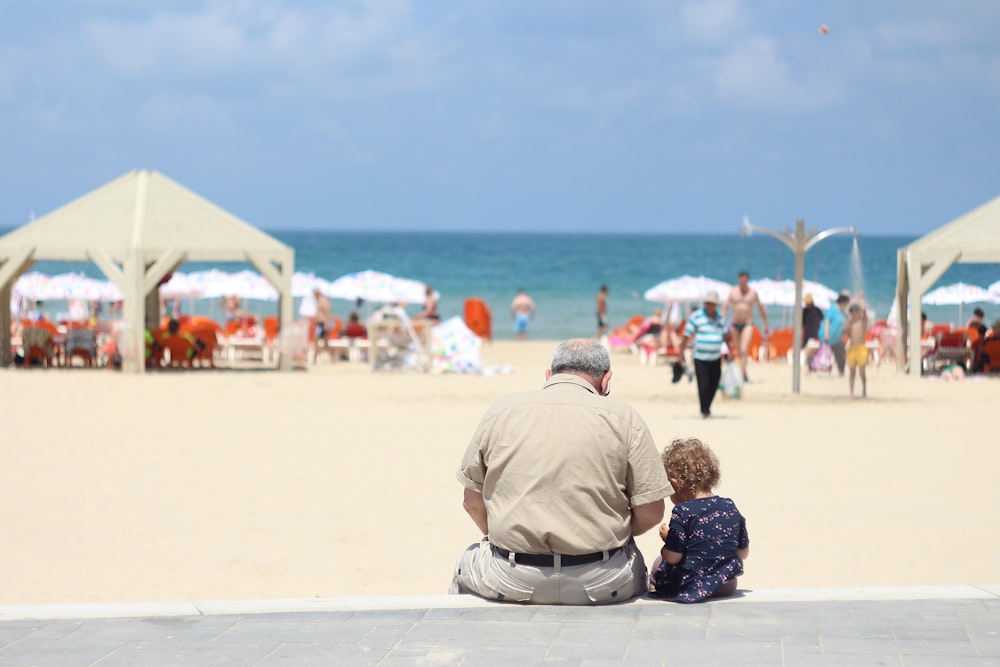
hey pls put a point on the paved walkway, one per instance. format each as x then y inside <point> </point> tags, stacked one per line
<point>904,626</point>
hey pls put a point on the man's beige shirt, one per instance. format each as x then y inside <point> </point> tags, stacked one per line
<point>560,468</point>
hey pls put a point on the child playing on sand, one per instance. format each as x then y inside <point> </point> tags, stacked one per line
<point>706,541</point>
<point>857,350</point>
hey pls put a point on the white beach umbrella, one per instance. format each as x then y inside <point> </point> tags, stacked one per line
<point>377,287</point>
<point>994,290</point>
<point>958,293</point>
<point>180,286</point>
<point>212,284</point>
<point>303,284</point>
<point>251,285</point>
<point>686,288</point>
<point>36,286</point>
<point>782,292</point>
<point>209,284</point>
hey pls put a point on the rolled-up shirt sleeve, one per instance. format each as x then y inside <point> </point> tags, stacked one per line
<point>472,470</point>
<point>647,480</point>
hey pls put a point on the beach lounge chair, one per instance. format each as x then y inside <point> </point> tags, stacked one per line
<point>179,351</point>
<point>38,346</point>
<point>206,332</point>
<point>989,354</point>
<point>949,348</point>
<point>271,350</point>
<point>80,343</point>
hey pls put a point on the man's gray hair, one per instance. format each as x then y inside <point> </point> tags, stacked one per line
<point>581,355</point>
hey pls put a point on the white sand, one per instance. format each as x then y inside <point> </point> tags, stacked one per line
<point>340,482</point>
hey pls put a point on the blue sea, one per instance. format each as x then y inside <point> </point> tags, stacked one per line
<point>562,272</point>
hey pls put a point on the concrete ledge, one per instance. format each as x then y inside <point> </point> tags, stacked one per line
<point>281,606</point>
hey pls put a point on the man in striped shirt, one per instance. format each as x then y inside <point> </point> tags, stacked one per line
<point>708,329</point>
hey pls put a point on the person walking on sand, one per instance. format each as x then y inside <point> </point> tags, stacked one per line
<point>559,480</point>
<point>602,311</point>
<point>742,299</point>
<point>857,350</point>
<point>707,329</point>
<point>811,319</point>
<point>835,320</point>
<point>323,320</point>
<point>522,309</point>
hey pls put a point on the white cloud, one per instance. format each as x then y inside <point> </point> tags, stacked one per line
<point>713,21</point>
<point>918,35</point>
<point>255,40</point>
<point>755,76</point>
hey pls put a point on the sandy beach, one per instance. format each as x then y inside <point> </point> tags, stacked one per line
<point>338,481</point>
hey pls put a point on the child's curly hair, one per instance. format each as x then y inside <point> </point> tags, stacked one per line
<point>692,463</point>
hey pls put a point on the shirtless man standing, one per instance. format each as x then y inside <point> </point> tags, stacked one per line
<point>742,299</point>
<point>324,315</point>
<point>602,311</point>
<point>522,309</point>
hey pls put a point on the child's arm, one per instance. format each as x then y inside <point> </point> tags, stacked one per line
<point>744,539</point>
<point>671,557</point>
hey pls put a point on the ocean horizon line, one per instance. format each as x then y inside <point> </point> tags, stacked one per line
<point>524,232</point>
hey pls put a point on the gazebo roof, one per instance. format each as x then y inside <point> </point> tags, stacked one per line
<point>974,237</point>
<point>155,213</point>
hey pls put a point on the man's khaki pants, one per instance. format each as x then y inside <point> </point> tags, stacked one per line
<point>482,571</point>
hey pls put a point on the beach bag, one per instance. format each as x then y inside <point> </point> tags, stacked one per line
<point>823,359</point>
<point>732,381</point>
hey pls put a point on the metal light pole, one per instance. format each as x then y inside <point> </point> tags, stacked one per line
<point>799,241</point>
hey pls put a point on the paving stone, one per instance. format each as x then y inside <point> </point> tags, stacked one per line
<point>889,632</point>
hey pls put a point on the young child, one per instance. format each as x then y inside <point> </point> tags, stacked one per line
<point>857,350</point>
<point>706,540</point>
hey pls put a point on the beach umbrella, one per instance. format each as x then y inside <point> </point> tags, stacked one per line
<point>180,286</point>
<point>994,290</point>
<point>36,286</point>
<point>303,284</point>
<point>251,285</point>
<point>376,286</point>
<point>782,292</point>
<point>78,287</point>
<point>958,293</point>
<point>686,288</point>
<point>212,284</point>
<point>208,284</point>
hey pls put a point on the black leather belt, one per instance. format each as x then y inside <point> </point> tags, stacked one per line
<point>548,560</point>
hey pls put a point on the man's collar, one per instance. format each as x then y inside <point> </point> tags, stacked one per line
<point>569,378</point>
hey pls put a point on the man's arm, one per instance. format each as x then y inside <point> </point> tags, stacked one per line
<point>476,507</point>
<point>646,516</point>
<point>760,309</point>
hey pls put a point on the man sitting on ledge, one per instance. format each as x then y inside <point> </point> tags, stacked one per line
<point>559,480</point>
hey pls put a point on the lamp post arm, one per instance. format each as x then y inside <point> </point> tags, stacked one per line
<point>784,238</point>
<point>827,233</point>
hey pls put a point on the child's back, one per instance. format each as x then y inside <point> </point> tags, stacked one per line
<point>709,532</point>
<point>706,540</point>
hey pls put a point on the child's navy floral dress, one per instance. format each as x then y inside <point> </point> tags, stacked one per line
<point>708,531</point>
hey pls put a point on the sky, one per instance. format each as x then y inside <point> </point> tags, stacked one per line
<point>511,115</point>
